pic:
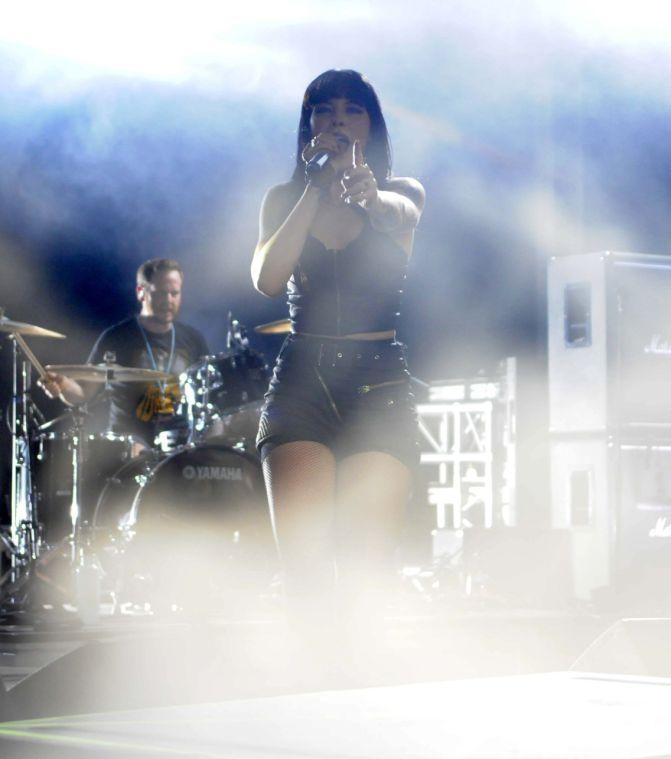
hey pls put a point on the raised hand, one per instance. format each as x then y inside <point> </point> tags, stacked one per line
<point>359,183</point>
<point>53,384</point>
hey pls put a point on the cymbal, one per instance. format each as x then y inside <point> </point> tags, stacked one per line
<point>278,327</point>
<point>21,328</point>
<point>111,372</point>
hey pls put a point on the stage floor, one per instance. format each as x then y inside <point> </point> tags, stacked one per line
<point>543,716</point>
<point>479,684</point>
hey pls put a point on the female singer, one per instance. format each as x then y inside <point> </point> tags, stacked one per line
<point>338,433</point>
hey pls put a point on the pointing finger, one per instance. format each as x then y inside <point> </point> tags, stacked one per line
<point>357,154</point>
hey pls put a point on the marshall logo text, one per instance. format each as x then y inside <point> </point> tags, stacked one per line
<point>658,346</point>
<point>662,529</point>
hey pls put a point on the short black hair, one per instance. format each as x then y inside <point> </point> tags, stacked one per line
<point>355,87</point>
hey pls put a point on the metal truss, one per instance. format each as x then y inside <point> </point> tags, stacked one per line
<point>459,446</point>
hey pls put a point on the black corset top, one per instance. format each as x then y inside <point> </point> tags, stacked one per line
<point>348,291</point>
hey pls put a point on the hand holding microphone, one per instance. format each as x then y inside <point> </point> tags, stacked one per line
<point>316,154</point>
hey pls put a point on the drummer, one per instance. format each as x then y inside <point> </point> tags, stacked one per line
<point>153,339</point>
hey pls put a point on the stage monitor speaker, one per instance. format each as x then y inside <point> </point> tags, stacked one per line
<point>631,647</point>
<point>523,566</point>
<point>181,664</point>
<point>614,497</point>
<point>609,342</point>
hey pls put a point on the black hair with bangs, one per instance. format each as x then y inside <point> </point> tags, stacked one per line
<point>346,83</point>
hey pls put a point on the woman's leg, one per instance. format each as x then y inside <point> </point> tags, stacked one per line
<point>300,480</point>
<point>372,495</point>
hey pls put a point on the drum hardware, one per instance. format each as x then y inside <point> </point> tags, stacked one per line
<point>102,455</point>
<point>236,336</point>
<point>177,491</point>
<point>45,426</point>
<point>108,372</point>
<point>169,441</point>
<point>277,327</point>
<point>184,528</point>
<point>25,544</point>
<point>22,545</point>
<point>80,555</point>
<point>220,392</point>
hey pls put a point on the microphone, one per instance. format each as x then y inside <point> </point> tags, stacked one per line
<point>316,165</point>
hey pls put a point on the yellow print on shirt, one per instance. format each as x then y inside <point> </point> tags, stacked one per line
<point>156,402</point>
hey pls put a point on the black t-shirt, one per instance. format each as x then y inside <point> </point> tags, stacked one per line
<point>139,409</point>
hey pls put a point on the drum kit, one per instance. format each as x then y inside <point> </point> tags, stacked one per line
<point>94,526</point>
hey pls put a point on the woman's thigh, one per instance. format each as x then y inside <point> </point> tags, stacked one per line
<point>300,480</point>
<point>372,494</point>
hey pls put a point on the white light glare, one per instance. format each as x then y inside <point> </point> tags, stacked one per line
<point>447,393</point>
<point>159,40</point>
<point>480,391</point>
<point>613,20</point>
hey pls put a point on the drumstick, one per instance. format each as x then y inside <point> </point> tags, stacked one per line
<point>30,355</point>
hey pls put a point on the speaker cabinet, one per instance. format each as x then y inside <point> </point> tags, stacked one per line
<point>614,495</point>
<point>609,342</point>
<point>609,360</point>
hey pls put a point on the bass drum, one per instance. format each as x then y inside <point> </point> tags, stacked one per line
<point>188,531</point>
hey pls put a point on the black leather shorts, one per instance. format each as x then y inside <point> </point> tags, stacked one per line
<point>350,395</point>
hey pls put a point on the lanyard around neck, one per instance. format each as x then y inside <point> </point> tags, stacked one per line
<point>150,352</point>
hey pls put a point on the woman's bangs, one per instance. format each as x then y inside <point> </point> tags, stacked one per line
<point>339,85</point>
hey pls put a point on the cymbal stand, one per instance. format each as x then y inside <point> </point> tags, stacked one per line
<point>23,524</point>
<point>236,336</point>
<point>80,533</point>
<point>81,526</point>
<point>77,459</point>
<point>23,544</point>
<point>81,513</point>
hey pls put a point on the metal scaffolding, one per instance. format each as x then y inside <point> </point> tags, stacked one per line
<point>460,448</point>
<point>468,453</point>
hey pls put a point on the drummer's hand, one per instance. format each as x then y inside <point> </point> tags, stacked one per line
<point>53,384</point>
<point>359,183</point>
<point>138,448</point>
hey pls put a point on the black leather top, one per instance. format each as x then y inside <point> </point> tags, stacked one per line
<point>343,292</point>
